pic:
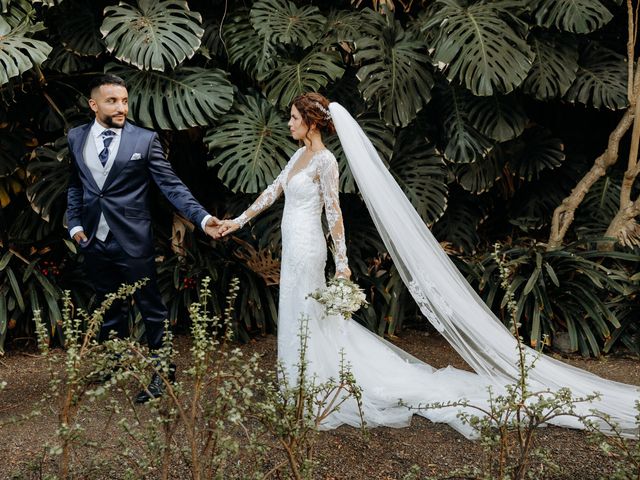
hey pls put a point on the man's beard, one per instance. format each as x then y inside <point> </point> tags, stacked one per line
<point>111,123</point>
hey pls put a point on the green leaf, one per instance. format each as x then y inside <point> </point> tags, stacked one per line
<point>481,175</point>
<point>48,3</point>
<point>382,138</point>
<point>15,287</point>
<point>18,52</point>
<point>6,258</point>
<point>498,117</point>
<point>577,16</point>
<point>49,174</point>
<point>394,76</point>
<point>459,224</point>
<point>532,281</point>
<point>478,47</point>
<point>601,79</point>
<point>420,171</point>
<point>62,60</point>
<point>538,151</point>
<point>252,145</point>
<point>465,143</point>
<point>554,67</point>
<point>312,73</point>
<point>552,274</point>
<point>283,22</point>
<point>154,35</point>
<point>78,23</point>
<point>343,26</point>
<point>254,53</point>
<point>186,97</point>
<point>13,147</point>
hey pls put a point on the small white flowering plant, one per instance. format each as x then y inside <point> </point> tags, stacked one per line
<point>341,296</point>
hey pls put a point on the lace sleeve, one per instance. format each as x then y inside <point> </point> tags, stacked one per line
<point>265,200</point>
<point>329,185</point>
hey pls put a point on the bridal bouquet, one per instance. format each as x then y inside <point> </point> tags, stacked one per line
<point>340,297</point>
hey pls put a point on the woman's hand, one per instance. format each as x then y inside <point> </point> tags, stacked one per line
<point>345,273</point>
<point>227,227</point>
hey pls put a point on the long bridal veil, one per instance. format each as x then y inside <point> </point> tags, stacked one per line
<point>449,302</point>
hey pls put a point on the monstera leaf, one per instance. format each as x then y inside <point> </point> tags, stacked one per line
<point>212,42</point>
<point>420,171</point>
<point>554,67</point>
<point>394,75</point>
<point>343,26</point>
<point>152,35</point>
<point>18,52</point>
<point>498,117</point>
<point>283,22</point>
<point>459,224</point>
<point>481,175</point>
<point>599,207</point>
<point>62,60</point>
<point>382,138</point>
<point>78,24</point>
<point>17,12</point>
<point>478,47</point>
<point>186,97</point>
<point>601,79</point>
<point>48,180</point>
<point>254,53</point>
<point>13,147</point>
<point>577,16</point>
<point>538,151</point>
<point>310,74</point>
<point>465,143</point>
<point>48,3</point>
<point>252,145</point>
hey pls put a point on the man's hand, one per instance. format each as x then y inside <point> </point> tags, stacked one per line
<point>80,238</point>
<point>212,228</point>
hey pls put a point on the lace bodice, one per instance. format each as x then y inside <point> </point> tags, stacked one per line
<point>317,187</point>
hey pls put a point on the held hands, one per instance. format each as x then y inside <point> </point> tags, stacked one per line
<point>227,227</point>
<point>212,227</point>
<point>217,228</point>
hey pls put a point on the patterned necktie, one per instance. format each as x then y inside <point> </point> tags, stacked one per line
<point>107,138</point>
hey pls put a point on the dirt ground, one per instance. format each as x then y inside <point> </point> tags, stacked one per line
<point>343,453</point>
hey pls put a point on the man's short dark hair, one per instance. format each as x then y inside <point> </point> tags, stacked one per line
<point>107,79</point>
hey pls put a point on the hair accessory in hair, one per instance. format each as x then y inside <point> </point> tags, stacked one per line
<point>325,112</point>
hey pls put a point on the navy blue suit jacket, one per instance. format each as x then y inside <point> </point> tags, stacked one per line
<point>124,198</point>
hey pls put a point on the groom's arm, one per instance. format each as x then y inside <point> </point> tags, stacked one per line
<point>173,189</point>
<point>75,195</point>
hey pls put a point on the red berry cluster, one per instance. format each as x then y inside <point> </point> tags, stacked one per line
<point>189,283</point>
<point>49,268</point>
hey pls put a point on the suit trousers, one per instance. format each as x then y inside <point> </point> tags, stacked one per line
<point>108,266</point>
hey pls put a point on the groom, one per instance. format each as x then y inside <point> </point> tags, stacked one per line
<point>108,202</point>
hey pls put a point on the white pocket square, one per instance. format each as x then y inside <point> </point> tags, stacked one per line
<point>136,156</point>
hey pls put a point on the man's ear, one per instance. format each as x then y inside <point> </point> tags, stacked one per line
<point>93,105</point>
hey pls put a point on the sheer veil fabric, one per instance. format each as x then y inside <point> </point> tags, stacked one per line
<point>449,302</point>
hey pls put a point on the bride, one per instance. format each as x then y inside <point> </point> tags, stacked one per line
<point>384,372</point>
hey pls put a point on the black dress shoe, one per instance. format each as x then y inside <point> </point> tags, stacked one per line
<point>155,389</point>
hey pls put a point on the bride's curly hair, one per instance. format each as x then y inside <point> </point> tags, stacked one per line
<point>314,108</point>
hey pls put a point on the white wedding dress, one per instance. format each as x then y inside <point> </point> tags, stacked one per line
<point>384,372</point>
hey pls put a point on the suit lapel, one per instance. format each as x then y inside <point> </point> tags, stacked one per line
<point>125,150</point>
<point>78,153</point>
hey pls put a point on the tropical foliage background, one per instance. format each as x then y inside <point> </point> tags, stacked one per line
<point>488,113</point>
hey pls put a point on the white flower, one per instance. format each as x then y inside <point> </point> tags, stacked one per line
<point>340,297</point>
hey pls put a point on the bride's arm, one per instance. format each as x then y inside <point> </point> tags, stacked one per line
<point>330,184</point>
<point>264,201</point>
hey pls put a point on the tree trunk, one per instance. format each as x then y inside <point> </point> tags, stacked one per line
<point>564,213</point>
